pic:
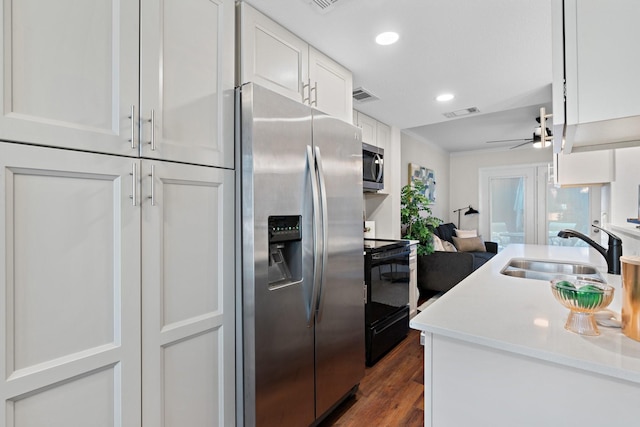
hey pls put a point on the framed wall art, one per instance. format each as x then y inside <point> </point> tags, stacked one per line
<point>427,177</point>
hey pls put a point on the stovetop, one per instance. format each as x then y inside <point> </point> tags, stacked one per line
<point>382,245</point>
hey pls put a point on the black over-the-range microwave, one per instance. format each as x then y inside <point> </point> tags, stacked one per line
<point>372,168</point>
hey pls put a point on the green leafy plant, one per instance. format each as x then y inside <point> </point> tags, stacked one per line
<point>415,216</point>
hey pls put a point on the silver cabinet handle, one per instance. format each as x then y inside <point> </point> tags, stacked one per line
<point>305,100</point>
<point>315,97</point>
<point>134,179</point>
<point>153,178</point>
<point>132,116</point>
<point>152,120</point>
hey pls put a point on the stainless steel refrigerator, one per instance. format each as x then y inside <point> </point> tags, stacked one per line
<point>302,288</point>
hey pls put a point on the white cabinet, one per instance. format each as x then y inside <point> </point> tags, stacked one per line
<point>118,281</point>
<point>275,58</point>
<point>591,167</point>
<point>70,284</point>
<point>72,77</point>
<point>369,127</point>
<point>383,136</point>
<point>332,90</point>
<point>601,67</point>
<point>414,292</point>
<point>187,81</point>
<point>70,74</point>
<point>187,295</point>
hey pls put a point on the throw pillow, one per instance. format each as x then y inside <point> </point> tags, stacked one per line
<point>466,233</point>
<point>448,246</point>
<point>437,244</point>
<point>469,244</point>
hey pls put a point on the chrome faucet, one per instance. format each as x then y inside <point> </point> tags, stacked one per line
<point>612,254</point>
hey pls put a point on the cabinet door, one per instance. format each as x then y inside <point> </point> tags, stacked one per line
<point>590,167</point>
<point>383,135</point>
<point>271,56</point>
<point>331,86</point>
<point>69,289</point>
<point>369,127</point>
<point>70,74</point>
<point>187,81</point>
<point>602,60</point>
<point>187,295</point>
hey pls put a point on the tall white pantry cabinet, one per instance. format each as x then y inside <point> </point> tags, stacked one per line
<point>117,213</point>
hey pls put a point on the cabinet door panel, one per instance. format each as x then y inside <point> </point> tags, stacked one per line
<point>70,74</point>
<point>69,244</point>
<point>272,56</point>
<point>333,93</point>
<point>188,311</point>
<point>187,66</point>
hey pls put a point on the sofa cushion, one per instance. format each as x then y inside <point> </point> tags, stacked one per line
<point>469,244</point>
<point>466,233</point>
<point>445,231</point>
<point>437,244</point>
<point>448,246</point>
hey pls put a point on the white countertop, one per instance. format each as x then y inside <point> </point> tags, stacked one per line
<point>522,316</point>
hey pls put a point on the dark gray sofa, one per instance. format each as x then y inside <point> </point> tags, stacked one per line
<point>441,271</point>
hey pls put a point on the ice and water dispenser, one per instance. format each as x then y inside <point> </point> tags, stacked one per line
<point>285,250</point>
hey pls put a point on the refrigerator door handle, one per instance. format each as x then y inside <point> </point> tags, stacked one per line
<point>325,230</point>
<point>311,312</point>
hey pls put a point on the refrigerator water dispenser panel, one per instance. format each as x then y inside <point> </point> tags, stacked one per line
<point>285,250</point>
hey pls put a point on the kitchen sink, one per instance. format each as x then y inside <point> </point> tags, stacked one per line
<point>548,270</point>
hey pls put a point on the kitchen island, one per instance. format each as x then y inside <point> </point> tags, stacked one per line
<point>497,353</point>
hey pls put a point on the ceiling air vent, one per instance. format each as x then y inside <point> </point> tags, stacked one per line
<point>460,113</point>
<point>322,6</point>
<point>363,95</point>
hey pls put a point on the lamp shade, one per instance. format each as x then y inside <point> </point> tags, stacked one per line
<point>471,211</point>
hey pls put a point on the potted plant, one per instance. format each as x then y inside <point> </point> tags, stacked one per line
<point>415,216</point>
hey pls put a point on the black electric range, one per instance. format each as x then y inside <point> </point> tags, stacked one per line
<point>386,272</point>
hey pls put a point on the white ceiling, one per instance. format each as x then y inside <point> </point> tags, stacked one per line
<point>492,54</point>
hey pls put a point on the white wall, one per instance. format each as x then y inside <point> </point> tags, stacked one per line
<point>431,156</point>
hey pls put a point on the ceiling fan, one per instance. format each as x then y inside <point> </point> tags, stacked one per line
<point>536,138</point>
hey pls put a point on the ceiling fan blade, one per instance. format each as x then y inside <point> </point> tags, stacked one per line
<point>508,140</point>
<point>529,141</point>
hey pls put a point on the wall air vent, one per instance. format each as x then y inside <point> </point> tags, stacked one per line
<point>363,95</point>
<point>460,113</point>
<point>322,6</point>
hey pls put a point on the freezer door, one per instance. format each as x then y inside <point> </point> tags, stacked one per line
<point>339,334</point>
<point>278,342</point>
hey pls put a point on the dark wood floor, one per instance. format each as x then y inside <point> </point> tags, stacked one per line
<point>391,393</point>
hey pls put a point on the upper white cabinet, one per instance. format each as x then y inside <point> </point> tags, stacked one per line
<point>332,90</point>
<point>153,78</point>
<point>75,88</point>
<point>275,58</point>
<point>601,68</point>
<point>187,81</point>
<point>591,167</point>
<point>369,127</point>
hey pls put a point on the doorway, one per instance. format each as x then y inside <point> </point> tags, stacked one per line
<point>522,205</point>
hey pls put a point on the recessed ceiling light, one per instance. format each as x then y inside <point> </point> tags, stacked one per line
<point>387,38</point>
<point>445,97</point>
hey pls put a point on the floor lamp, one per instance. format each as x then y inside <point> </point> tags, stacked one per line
<point>470,211</point>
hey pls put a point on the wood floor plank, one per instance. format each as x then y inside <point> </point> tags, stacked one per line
<point>391,393</point>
